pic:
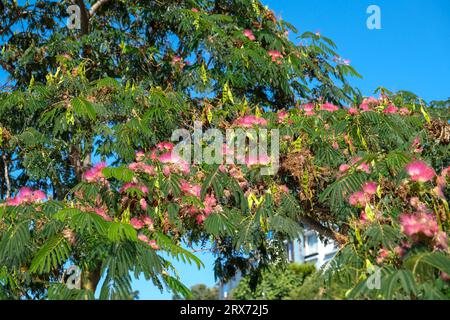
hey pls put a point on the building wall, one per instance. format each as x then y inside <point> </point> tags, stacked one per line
<point>310,249</point>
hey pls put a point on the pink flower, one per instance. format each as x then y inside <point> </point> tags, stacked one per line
<point>371,101</point>
<point>200,218</point>
<point>39,195</point>
<point>358,199</point>
<point>134,166</point>
<point>136,223</point>
<point>308,107</point>
<point>390,109</point>
<point>404,111</point>
<point>190,190</point>
<point>143,204</point>
<point>420,171</point>
<point>25,193</point>
<point>13,202</point>
<point>150,170</point>
<point>153,154</point>
<point>344,168</point>
<point>335,145</point>
<point>167,158</point>
<point>414,225</point>
<point>166,171</point>
<point>250,121</point>
<point>362,166</point>
<point>176,60</point>
<point>262,160</point>
<point>329,107</point>
<point>370,188</point>
<point>129,185</point>
<point>153,245</point>
<point>178,164</point>
<point>142,167</point>
<point>365,107</point>
<point>382,254</point>
<point>249,34</point>
<point>147,220</point>
<point>209,203</point>
<point>95,173</point>
<point>445,276</point>
<point>352,111</point>
<point>275,55</point>
<point>143,237</point>
<point>194,10</point>
<point>363,216</point>
<point>416,145</point>
<point>27,196</point>
<point>282,116</point>
<point>164,146</point>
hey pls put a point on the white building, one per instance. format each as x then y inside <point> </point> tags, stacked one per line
<point>307,249</point>
<point>310,249</point>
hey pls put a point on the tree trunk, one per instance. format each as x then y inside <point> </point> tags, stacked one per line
<point>84,16</point>
<point>91,279</point>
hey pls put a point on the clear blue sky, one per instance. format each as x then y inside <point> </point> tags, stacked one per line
<point>410,52</point>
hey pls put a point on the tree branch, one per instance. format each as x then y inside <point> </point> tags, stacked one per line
<point>20,12</point>
<point>317,226</point>
<point>96,6</point>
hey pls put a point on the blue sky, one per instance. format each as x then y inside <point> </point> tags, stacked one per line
<point>410,52</point>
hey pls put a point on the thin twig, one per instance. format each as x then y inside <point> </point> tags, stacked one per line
<point>96,6</point>
<point>6,175</point>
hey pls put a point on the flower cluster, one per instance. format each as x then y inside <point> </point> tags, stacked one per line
<point>250,121</point>
<point>249,34</point>
<point>26,196</point>
<point>276,56</point>
<point>141,222</point>
<point>423,227</point>
<point>420,171</point>
<point>361,198</point>
<point>329,107</point>
<point>95,174</point>
<point>361,166</point>
<point>151,243</point>
<point>309,109</point>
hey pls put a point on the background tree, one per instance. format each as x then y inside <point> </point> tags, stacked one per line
<point>201,292</point>
<point>277,283</point>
